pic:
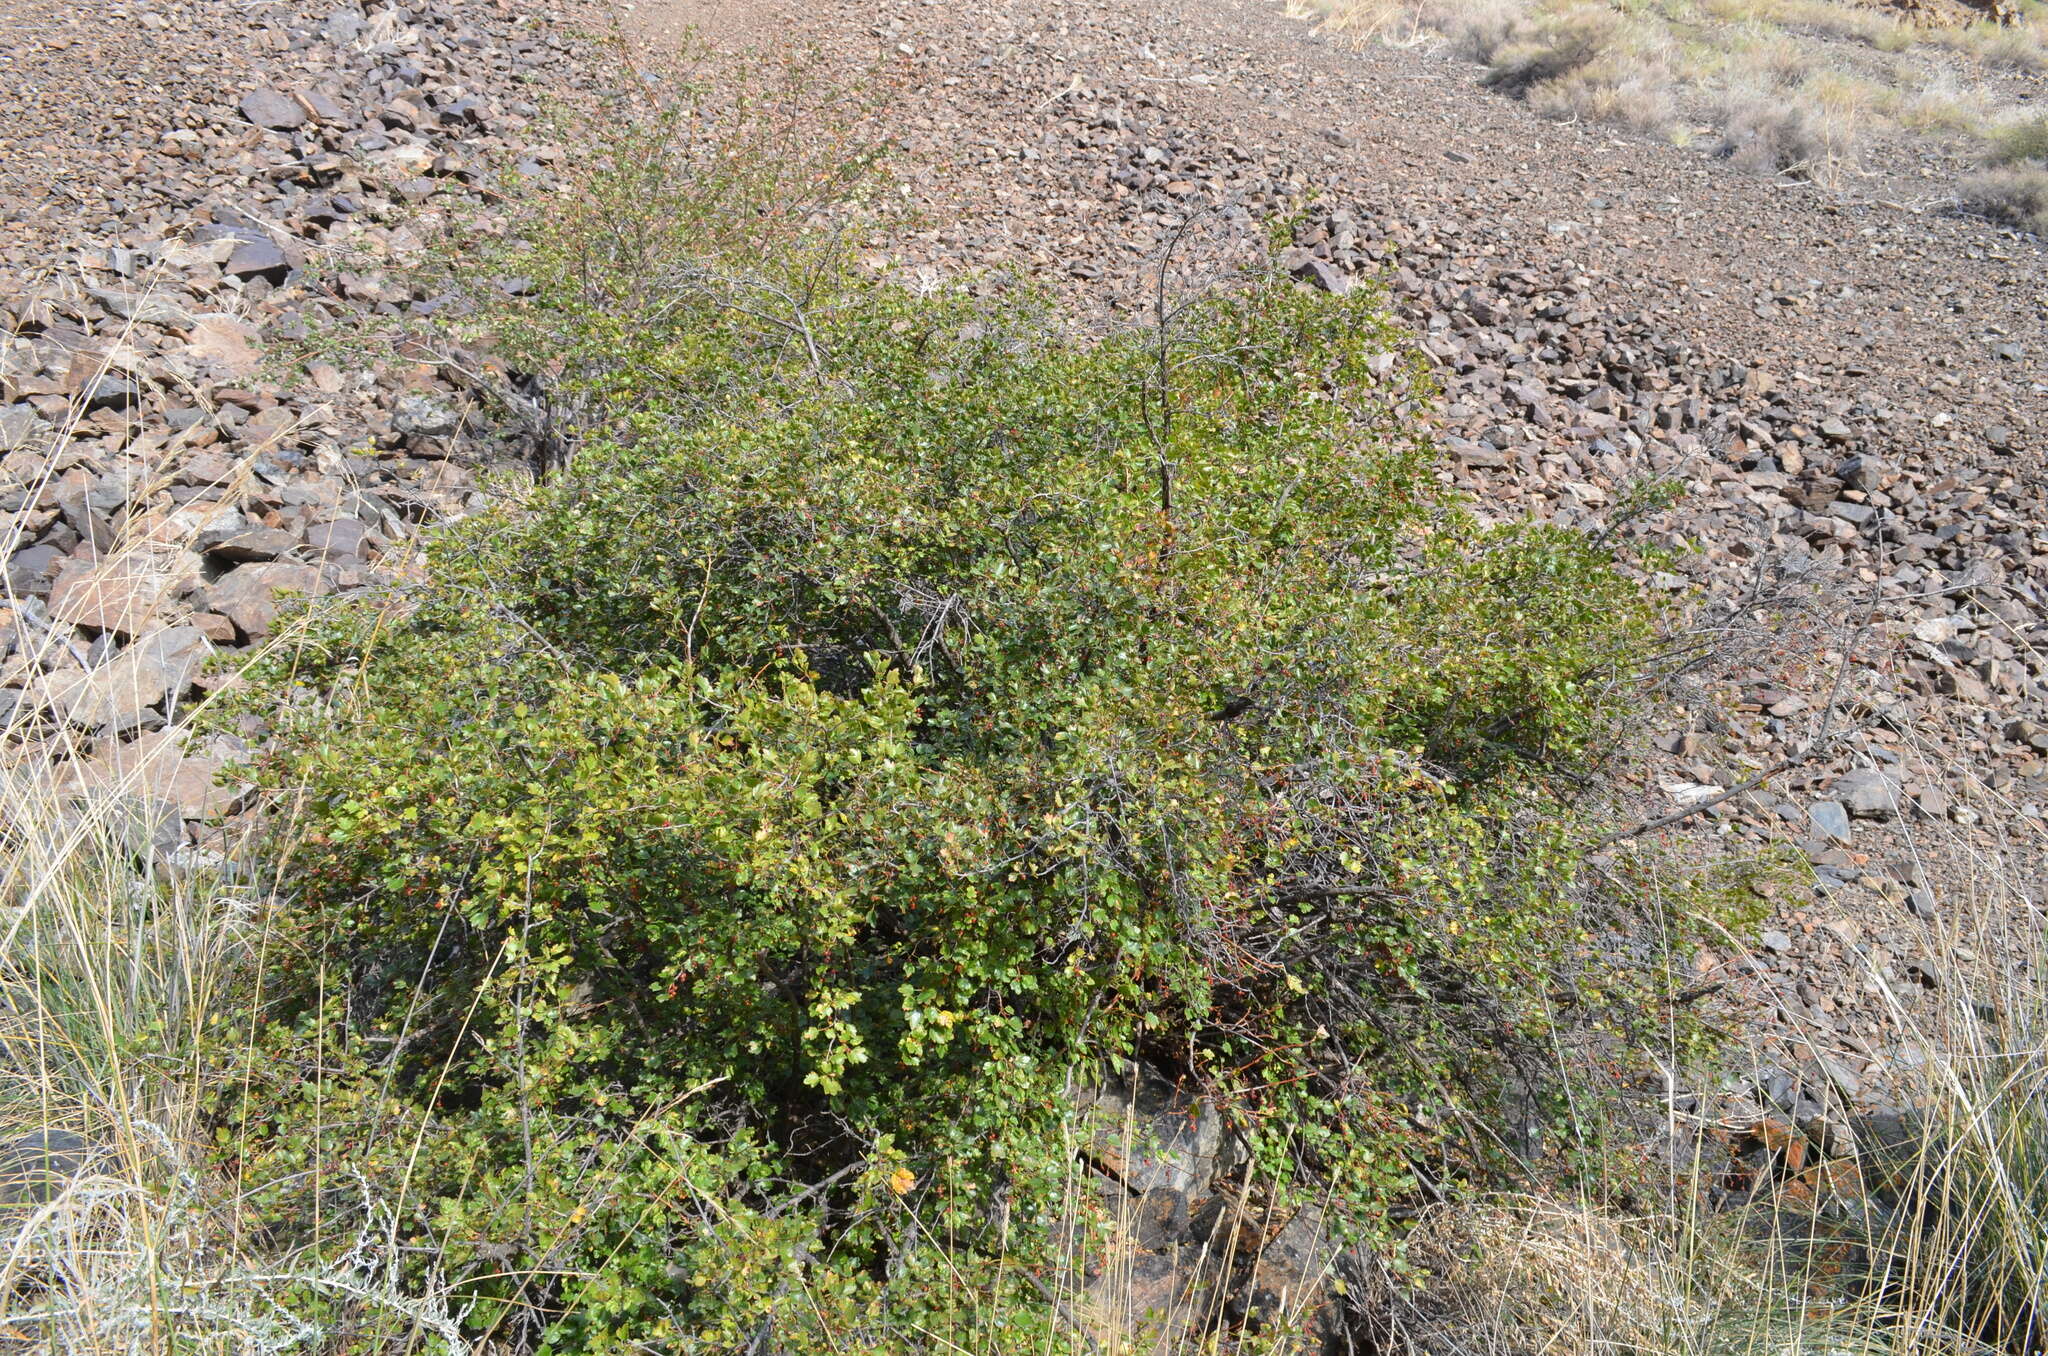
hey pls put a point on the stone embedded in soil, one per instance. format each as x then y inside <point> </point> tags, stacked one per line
<point>1830,819</point>
<point>1867,793</point>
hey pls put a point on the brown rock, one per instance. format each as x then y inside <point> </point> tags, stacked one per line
<point>227,343</point>
<point>123,594</point>
<point>268,108</point>
<point>119,695</point>
<point>158,767</point>
<point>248,596</point>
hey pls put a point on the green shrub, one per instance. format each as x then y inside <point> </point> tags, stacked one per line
<point>709,880</point>
<point>2020,141</point>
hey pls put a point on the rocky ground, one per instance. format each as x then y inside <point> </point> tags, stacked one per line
<point>1850,390</point>
<point>206,215</point>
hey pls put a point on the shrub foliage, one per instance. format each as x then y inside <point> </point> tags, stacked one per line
<point>729,856</point>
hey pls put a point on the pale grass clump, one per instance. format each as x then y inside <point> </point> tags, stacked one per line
<point>2013,190</point>
<point>1929,1237</point>
<point>1589,64</point>
<point>129,968</point>
<point>2020,140</point>
<point>1802,139</point>
<point>1770,72</point>
<point>1537,1274</point>
<point>1475,31</point>
<point>1851,22</point>
<point>1940,104</point>
<point>2021,46</point>
<point>2015,195</point>
<point>120,976</point>
<point>1606,93</point>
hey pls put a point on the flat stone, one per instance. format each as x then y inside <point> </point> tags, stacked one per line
<point>249,596</point>
<point>248,543</point>
<point>120,694</point>
<point>157,767</point>
<point>341,537</point>
<point>20,425</point>
<point>268,108</point>
<point>257,259</point>
<point>227,343</point>
<point>1867,794</point>
<point>109,391</point>
<point>1831,819</point>
<point>122,595</point>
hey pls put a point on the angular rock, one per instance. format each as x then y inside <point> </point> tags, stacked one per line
<point>423,416</point>
<point>118,695</point>
<point>249,596</point>
<point>36,1165</point>
<point>108,391</point>
<point>341,537</point>
<point>258,259</point>
<point>124,594</point>
<point>157,767</point>
<point>1830,819</point>
<point>1867,793</point>
<point>248,543</point>
<point>229,344</point>
<point>268,108</point>
<point>1151,1135</point>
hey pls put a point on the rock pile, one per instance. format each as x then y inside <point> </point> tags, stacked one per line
<point>1192,1241</point>
<point>195,423</point>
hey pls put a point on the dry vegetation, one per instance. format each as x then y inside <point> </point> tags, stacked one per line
<point>1794,87</point>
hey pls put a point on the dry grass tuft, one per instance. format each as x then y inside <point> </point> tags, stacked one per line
<point>1786,96</point>
<point>1564,44</point>
<point>2021,140</point>
<point>1767,136</point>
<point>2016,195</point>
<point>126,965</point>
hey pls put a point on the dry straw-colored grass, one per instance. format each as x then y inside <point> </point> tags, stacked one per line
<point>127,965</point>
<point>1781,79</point>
